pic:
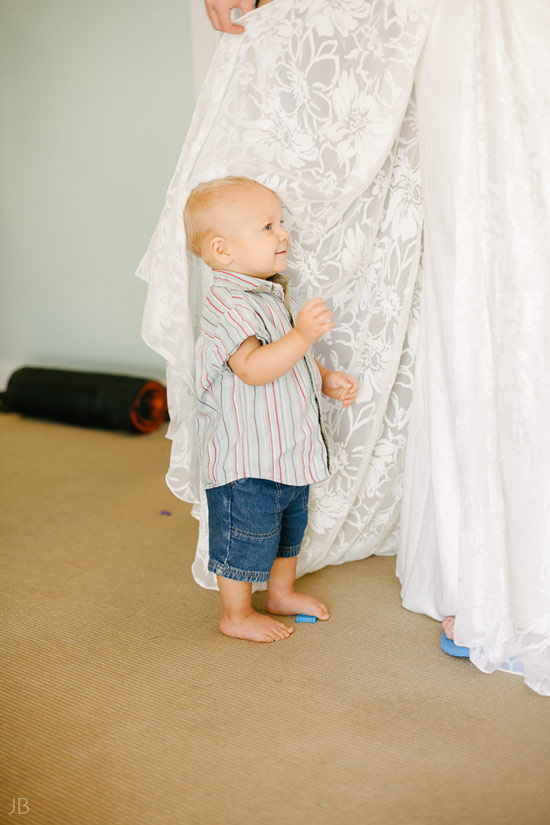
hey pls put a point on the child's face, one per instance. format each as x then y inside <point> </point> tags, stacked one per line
<point>254,241</point>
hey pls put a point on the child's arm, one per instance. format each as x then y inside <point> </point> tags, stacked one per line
<point>338,385</point>
<point>256,364</point>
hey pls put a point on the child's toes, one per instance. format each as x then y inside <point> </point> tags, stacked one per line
<point>284,631</point>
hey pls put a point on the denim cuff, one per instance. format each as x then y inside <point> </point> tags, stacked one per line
<point>288,552</point>
<point>227,572</point>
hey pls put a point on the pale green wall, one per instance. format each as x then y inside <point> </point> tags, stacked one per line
<point>97,96</point>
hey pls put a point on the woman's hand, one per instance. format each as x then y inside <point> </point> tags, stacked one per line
<point>219,12</point>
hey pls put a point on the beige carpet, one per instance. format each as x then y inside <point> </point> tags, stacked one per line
<point>124,705</point>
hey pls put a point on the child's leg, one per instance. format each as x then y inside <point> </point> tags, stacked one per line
<point>282,599</point>
<point>241,620</point>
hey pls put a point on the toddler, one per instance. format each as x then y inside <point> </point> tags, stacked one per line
<point>259,420</point>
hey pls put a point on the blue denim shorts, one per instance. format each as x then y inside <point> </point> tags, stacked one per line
<point>251,521</point>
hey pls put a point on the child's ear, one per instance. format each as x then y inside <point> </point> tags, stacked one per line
<point>219,250</point>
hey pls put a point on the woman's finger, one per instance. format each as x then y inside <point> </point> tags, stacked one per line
<point>219,14</point>
<point>227,25</point>
<point>213,17</point>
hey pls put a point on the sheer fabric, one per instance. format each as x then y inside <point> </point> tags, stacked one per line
<point>315,100</point>
<point>475,537</point>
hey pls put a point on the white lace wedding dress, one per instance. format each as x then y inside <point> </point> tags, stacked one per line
<point>316,100</point>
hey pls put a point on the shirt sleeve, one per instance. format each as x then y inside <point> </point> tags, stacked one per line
<point>232,321</point>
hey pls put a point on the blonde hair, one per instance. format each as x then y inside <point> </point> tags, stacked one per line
<point>198,213</point>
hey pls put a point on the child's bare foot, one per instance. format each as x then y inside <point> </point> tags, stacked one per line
<point>255,627</point>
<point>290,604</point>
<point>449,627</point>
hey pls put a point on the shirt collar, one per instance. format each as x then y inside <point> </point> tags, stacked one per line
<point>235,280</point>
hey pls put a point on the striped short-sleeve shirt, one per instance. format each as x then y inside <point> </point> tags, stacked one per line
<point>273,431</point>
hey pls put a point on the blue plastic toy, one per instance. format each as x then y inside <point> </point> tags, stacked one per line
<point>448,646</point>
<point>303,617</point>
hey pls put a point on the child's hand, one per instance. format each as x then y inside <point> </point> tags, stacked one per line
<point>341,386</point>
<point>314,320</point>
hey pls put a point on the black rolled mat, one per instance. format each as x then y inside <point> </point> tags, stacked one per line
<point>89,399</point>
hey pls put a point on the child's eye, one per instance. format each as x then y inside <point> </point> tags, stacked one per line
<point>269,226</point>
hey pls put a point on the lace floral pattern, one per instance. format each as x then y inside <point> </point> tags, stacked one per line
<point>315,102</point>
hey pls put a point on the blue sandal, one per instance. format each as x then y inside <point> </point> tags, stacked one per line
<point>448,646</point>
